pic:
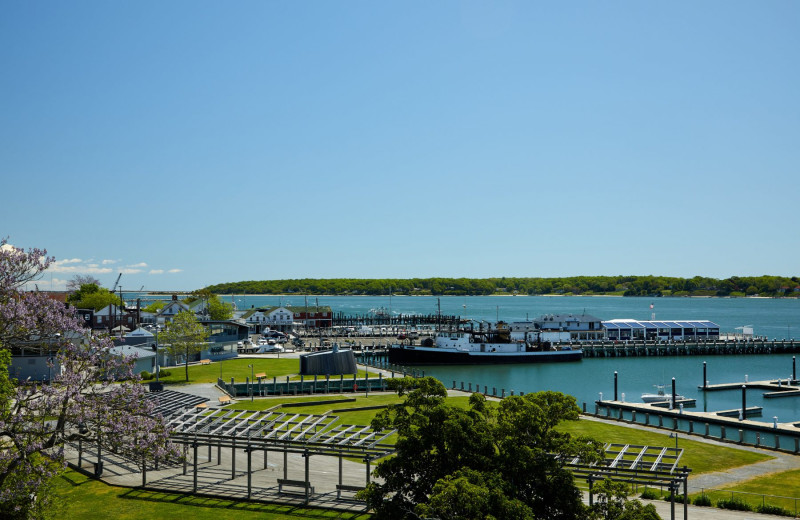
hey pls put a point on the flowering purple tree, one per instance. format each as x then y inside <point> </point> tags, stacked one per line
<point>92,393</point>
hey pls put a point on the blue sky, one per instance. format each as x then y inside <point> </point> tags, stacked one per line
<point>191,143</point>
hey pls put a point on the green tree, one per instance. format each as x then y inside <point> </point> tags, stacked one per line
<point>155,306</point>
<point>219,310</point>
<point>612,504</point>
<point>485,461</point>
<point>184,337</point>
<point>91,296</point>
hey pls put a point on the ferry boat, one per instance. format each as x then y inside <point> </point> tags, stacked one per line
<point>469,347</point>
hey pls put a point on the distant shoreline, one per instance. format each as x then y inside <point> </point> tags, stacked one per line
<point>294,295</point>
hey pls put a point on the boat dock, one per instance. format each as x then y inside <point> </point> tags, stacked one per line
<point>686,348</point>
<point>723,425</point>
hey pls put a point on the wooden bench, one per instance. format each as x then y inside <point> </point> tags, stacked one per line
<point>205,361</point>
<point>262,375</point>
<point>346,487</point>
<point>224,399</point>
<point>307,488</point>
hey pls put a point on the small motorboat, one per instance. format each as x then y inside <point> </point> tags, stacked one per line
<point>660,396</point>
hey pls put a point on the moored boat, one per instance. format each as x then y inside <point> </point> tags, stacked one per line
<point>660,396</point>
<point>469,347</point>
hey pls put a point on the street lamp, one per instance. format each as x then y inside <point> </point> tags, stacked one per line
<point>251,382</point>
<point>675,434</point>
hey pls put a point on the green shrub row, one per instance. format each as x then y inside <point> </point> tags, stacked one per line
<point>147,376</point>
<point>737,504</point>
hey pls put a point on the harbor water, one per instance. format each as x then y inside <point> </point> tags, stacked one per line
<point>771,318</point>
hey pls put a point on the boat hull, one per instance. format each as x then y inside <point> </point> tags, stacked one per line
<point>414,355</point>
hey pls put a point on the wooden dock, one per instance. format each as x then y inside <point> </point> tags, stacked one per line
<point>688,348</point>
<point>775,388</point>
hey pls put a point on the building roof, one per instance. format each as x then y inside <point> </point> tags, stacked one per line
<point>636,324</point>
<point>566,317</point>
<point>128,350</point>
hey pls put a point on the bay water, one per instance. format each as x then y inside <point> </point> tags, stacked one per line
<point>769,317</point>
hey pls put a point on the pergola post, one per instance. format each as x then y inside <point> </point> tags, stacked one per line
<point>249,468</point>
<point>285,463</point>
<point>305,454</point>
<point>233,457</point>
<point>266,453</point>
<point>194,467</point>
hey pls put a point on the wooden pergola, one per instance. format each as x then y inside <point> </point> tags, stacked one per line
<point>654,466</point>
<point>265,431</point>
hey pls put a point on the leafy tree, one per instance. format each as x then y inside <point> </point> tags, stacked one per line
<point>219,310</point>
<point>612,504</point>
<point>502,462</point>
<point>90,296</point>
<point>184,336</point>
<point>81,279</point>
<point>91,393</point>
<point>155,306</point>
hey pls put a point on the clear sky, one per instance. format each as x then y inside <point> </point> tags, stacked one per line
<point>186,143</point>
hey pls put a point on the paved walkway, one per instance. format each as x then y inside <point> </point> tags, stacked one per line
<point>220,474</point>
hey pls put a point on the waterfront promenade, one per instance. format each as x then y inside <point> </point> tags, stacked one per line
<point>222,477</point>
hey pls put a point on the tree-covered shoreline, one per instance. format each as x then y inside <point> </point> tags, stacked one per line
<point>767,286</point>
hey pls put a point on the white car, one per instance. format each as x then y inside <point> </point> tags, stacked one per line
<point>266,349</point>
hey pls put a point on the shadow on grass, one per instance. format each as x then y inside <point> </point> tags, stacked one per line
<point>239,505</point>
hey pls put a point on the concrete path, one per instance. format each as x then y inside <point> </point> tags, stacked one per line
<point>219,475</point>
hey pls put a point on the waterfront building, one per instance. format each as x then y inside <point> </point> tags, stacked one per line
<point>694,330</point>
<point>561,327</point>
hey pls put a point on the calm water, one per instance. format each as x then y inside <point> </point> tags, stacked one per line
<point>773,318</point>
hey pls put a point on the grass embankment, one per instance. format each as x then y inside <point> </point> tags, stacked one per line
<point>780,490</point>
<point>239,370</point>
<point>83,498</point>
<point>700,457</point>
<point>86,498</point>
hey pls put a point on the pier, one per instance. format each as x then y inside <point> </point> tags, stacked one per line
<point>607,349</point>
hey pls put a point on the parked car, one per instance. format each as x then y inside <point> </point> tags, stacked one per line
<point>267,349</point>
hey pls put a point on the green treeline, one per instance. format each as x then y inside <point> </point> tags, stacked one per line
<point>773,286</point>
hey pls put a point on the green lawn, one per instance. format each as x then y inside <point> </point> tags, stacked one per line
<point>698,456</point>
<point>82,498</point>
<point>785,484</point>
<point>85,498</point>
<point>239,370</point>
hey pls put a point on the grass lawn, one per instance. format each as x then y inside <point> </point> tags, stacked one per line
<point>239,370</point>
<point>785,484</point>
<point>698,456</point>
<point>83,498</point>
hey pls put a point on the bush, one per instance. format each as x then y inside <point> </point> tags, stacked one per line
<point>702,500</point>
<point>678,498</point>
<point>146,376</point>
<point>734,504</point>
<point>767,509</point>
<point>650,494</point>
<point>164,373</point>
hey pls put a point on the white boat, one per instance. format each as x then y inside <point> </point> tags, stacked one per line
<point>660,396</point>
<point>479,347</point>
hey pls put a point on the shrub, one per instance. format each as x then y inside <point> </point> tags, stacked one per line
<point>650,494</point>
<point>702,500</point>
<point>164,373</point>
<point>146,376</point>
<point>678,498</point>
<point>735,504</point>
<point>767,509</point>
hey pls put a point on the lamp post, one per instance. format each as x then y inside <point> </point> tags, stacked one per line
<point>158,366</point>
<point>251,382</point>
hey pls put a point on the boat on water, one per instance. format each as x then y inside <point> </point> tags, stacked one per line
<point>660,396</point>
<point>470,347</point>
